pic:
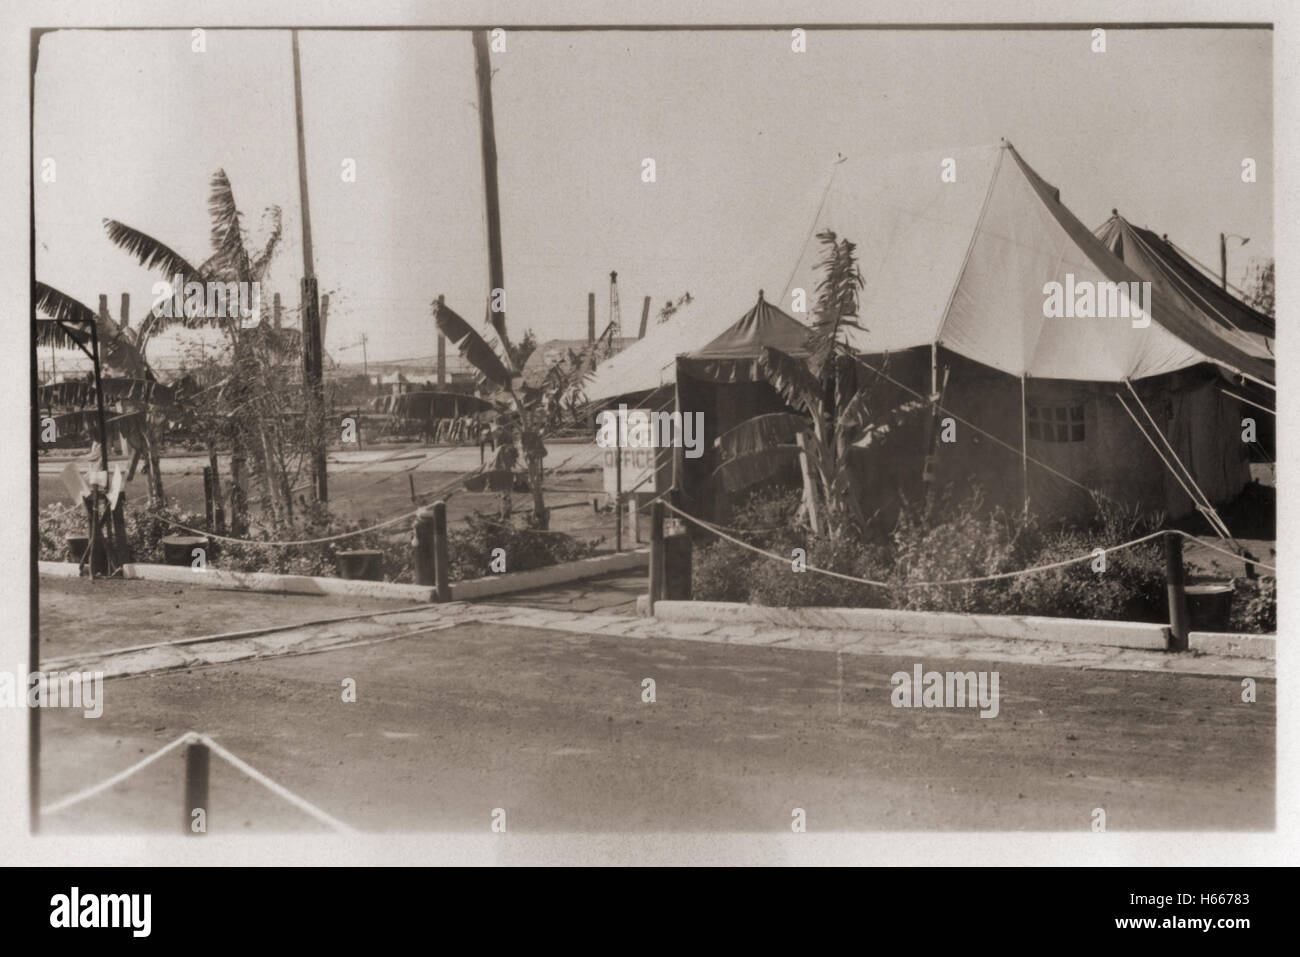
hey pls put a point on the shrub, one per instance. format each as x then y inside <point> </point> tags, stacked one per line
<point>525,546</point>
<point>1254,605</point>
<point>470,548</point>
<point>720,571</point>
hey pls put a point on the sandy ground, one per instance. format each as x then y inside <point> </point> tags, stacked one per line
<point>373,497</point>
<point>78,615</point>
<point>552,727</point>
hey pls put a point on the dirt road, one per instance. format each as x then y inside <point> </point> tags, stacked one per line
<point>552,728</point>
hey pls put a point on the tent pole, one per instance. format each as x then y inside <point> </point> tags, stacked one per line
<point>1024,454</point>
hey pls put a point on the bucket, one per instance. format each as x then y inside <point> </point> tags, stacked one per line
<point>77,547</point>
<point>179,549</point>
<point>1209,607</point>
<point>364,564</point>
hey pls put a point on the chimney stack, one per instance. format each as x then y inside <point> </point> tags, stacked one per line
<point>125,315</point>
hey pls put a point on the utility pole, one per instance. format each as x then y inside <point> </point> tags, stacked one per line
<point>312,346</point>
<point>487,132</point>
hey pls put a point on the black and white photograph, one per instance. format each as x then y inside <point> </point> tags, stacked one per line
<point>764,436</point>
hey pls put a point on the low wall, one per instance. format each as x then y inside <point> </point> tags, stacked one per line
<point>475,588</point>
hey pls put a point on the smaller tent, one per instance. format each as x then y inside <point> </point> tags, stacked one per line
<point>721,381</point>
<point>1175,279</point>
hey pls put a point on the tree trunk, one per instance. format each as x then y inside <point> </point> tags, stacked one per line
<point>541,514</point>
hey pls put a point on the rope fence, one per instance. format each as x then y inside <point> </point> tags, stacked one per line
<point>709,527</point>
<point>191,738</point>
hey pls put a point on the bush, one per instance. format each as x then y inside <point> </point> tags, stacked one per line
<point>947,539</point>
<point>720,571</point>
<point>525,547</point>
<point>1254,605</point>
<point>470,548</point>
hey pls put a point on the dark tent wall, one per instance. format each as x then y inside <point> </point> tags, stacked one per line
<point>724,405</point>
<point>1077,429</point>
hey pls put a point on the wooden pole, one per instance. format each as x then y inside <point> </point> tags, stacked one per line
<point>591,318</point>
<point>237,526</point>
<point>441,554</point>
<point>657,565</point>
<point>218,509</point>
<point>442,360</point>
<point>1024,441</point>
<point>196,786</point>
<point>209,511</point>
<point>618,487</point>
<point>1174,579</point>
<point>308,261</point>
<point>119,530</point>
<point>487,132</point>
<point>314,388</point>
<point>311,322</point>
<point>424,547</point>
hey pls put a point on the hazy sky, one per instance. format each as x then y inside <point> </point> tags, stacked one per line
<point>743,132</point>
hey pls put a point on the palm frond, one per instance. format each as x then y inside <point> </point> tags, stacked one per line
<point>792,378</point>
<point>227,231</point>
<point>151,253</point>
<point>472,346</point>
<point>760,433</point>
<point>753,467</point>
<point>262,261</point>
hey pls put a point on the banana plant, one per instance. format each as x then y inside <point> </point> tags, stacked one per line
<point>830,419</point>
<point>527,413</point>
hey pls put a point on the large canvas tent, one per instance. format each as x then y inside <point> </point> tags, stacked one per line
<point>958,249</point>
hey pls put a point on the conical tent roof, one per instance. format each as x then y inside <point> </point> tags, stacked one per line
<point>651,362</point>
<point>1176,278</point>
<point>957,248</point>
<point>763,325</point>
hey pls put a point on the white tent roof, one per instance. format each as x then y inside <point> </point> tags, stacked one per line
<point>962,263</point>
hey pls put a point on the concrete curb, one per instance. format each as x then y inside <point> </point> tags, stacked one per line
<point>1233,645</point>
<point>59,569</point>
<point>1119,634</point>
<point>266,581</point>
<point>502,584</point>
<point>508,582</point>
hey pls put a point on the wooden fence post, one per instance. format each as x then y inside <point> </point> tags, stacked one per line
<point>657,568</point>
<point>441,553</point>
<point>196,786</point>
<point>1178,621</point>
<point>119,528</point>
<point>424,547</point>
<point>237,522</point>
<point>208,510</point>
<point>218,509</point>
